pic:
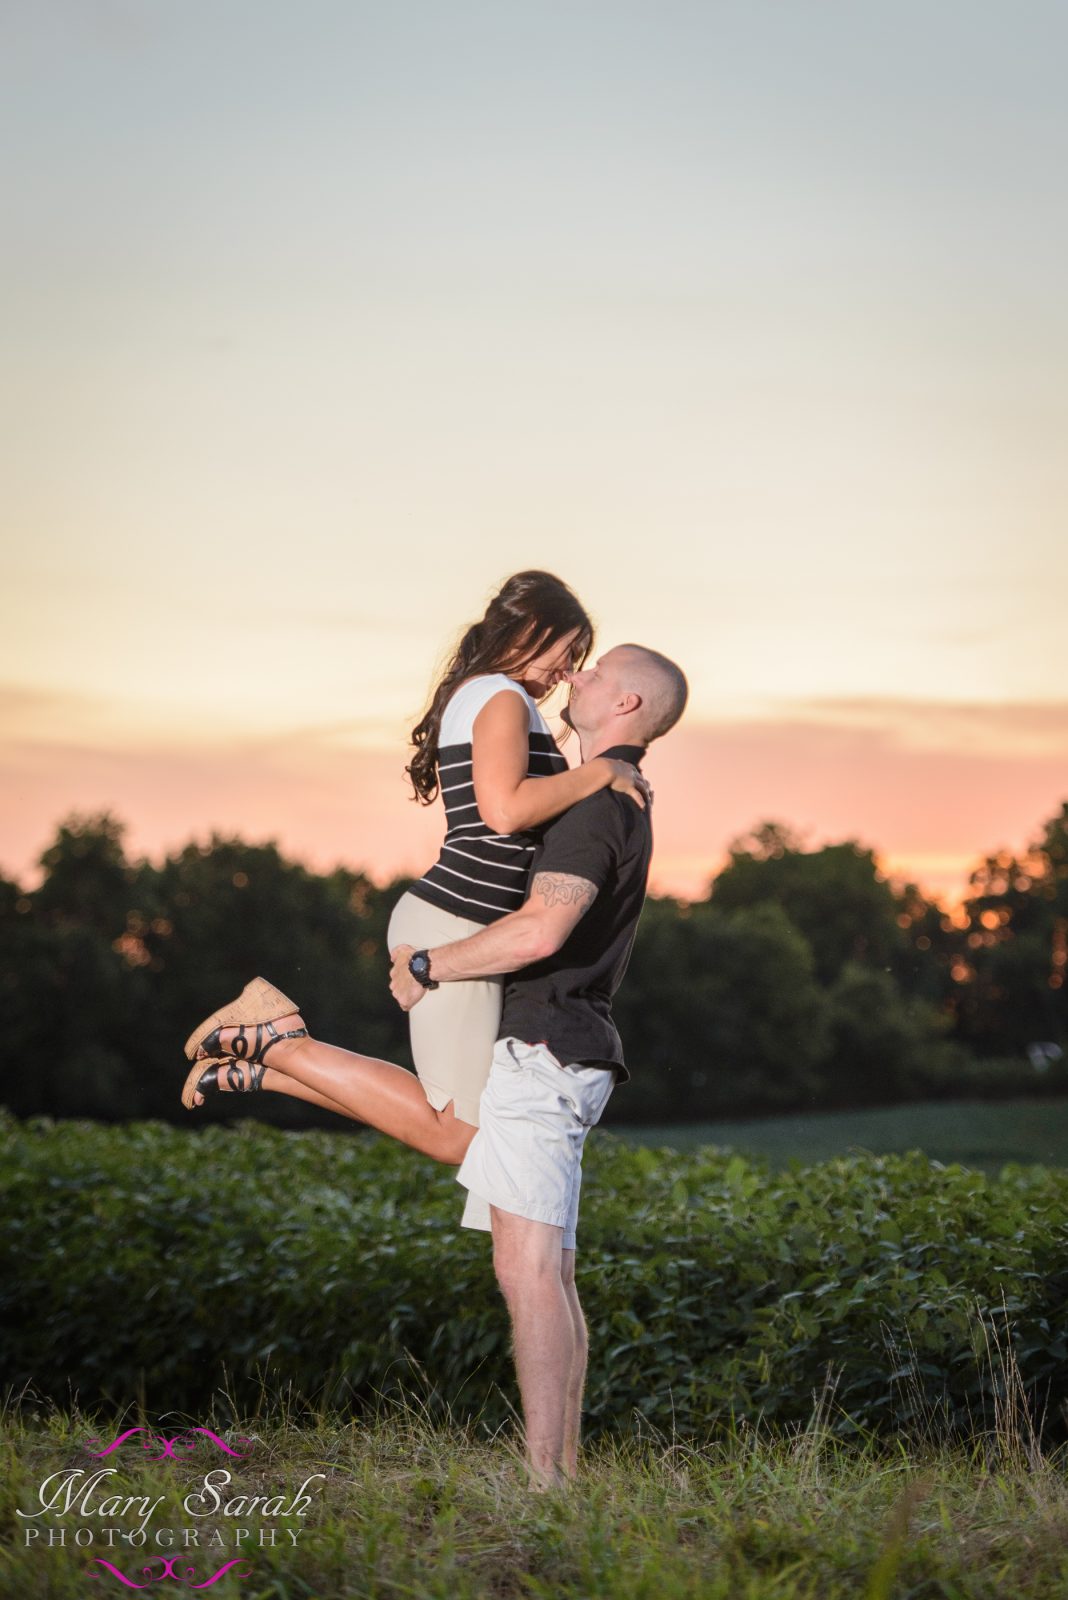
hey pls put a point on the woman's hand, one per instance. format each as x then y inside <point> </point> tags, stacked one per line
<point>628,780</point>
<point>406,990</point>
<point>508,799</point>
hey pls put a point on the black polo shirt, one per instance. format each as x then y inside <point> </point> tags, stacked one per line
<point>565,1001</point>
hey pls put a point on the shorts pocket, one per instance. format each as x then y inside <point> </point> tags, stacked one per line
<point>594,1094</point>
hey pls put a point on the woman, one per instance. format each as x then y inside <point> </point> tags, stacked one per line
<point>485,745</point>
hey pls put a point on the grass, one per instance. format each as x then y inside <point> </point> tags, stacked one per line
<point>412,1510</point>
<point>981,1134</point>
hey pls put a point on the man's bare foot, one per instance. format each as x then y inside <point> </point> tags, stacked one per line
<point>546,1482</point>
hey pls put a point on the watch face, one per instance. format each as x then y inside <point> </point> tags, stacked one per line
<point>419,966</point>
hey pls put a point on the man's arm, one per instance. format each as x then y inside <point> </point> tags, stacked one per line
<point>555,905</point>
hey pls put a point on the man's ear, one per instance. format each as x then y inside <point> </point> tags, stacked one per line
<point>631,701</point>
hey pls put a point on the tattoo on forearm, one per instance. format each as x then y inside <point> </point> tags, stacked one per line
<point>561,889</point>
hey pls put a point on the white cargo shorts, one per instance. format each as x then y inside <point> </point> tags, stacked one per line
<point>526,1157</point>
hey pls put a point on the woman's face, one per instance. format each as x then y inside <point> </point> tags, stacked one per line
<point>541,675</point>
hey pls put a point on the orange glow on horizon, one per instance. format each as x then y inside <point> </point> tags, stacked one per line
<point>930,815</point>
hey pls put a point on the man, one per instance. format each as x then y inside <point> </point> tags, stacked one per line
<point>558,1056</point>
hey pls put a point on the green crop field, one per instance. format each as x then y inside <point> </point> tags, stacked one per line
<point>980,1134</point>
<point>841,1383</point>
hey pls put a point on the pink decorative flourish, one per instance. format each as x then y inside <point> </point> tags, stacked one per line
<point>217,1575</point>
<point>167,1571</point>
<point>185,1442</point>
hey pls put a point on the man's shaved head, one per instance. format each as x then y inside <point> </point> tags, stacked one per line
<point>631,695</point>
<point>662,687</point>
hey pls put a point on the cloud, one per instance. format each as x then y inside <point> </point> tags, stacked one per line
<point>338,618</point>
<point>931,788</point>
<point>930,810</point>
<point>18,698</point>
<point>325,806</point>
<point>1018,727</point>
<point>85,724</point>
<point>28,710</point>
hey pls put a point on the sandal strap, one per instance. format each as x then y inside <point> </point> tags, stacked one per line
<point>235,1077</point>
<point>245,1046</point>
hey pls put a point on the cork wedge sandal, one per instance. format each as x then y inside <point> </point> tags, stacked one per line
<point>259,1006</point>
<point>204,1075</point>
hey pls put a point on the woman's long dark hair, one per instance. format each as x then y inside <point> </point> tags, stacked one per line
<point>528,614</point>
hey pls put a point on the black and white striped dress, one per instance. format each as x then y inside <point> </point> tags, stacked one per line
<point>480,874</point>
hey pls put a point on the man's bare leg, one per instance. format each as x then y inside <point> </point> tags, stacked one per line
<point>380,1093</point>
<point>527,1261</point>
<point>576,1382</point>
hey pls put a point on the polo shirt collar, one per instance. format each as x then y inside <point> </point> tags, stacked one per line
<point>625,752</point>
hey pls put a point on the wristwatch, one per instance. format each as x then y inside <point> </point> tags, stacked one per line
<point>419,967</point>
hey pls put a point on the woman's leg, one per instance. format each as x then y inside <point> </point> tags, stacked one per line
<point>278,1083</point>
<point>453,1031</point>
<point>380,1093</point>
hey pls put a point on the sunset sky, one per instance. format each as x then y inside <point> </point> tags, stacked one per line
<point>749,320</point>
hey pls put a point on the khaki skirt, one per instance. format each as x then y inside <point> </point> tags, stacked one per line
<point>454,1027</point>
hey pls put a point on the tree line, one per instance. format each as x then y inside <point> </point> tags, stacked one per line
<point>804,979</point>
